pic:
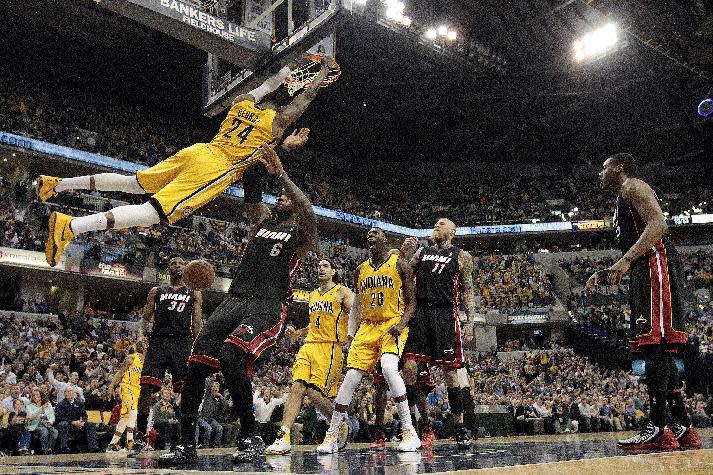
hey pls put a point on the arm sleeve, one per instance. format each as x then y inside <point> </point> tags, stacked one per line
<point>50,415</point>
<point>254,182</point>
<point>352,323</point>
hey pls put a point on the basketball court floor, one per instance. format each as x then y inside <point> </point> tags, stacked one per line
<point>565,454</point>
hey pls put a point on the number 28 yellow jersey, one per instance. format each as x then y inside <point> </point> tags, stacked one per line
<point>379,290</point>
<point>243,130</point>
<point>327,322</point>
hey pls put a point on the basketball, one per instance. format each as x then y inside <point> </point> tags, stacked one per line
<point>199,274</point>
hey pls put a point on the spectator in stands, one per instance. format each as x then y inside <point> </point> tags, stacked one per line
<point>212,412</point>
<point>72,422</point>
<point>15,394</point>
<point>95,400</point>
<point>60,386</point>
<point>40,421</point>
<point>265,405</point>
<point>165,420</point>
<point>19,435</point>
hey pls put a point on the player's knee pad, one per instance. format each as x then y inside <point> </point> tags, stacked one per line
<point>234,361</point>
<point>455,399</point>
<point>349,385</point>
<point>145,398</point>
<point>412,395</point>
<point>390,368</point>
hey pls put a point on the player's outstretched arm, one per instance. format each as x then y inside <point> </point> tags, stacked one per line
<point>147,319</point>
<point>268,86</point>
<point>354,313</point>
<point>119,374</point>
<point>465,265</point>
<point>197,318</point>
<point>302,205</point>
<point>409,291</point>
<point>294,110</point>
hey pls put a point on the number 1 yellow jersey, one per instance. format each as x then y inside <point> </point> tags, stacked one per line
<point>132,378</point>
<point>243,130</point>
<point>379,290</point>
<point>327,322</point>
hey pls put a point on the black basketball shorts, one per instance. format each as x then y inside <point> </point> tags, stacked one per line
<point>252,325</point>
<point>435,337</point>
<point>167,353</point>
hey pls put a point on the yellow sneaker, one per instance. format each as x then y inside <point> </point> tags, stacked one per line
<point>44,187</point>
<point>60,236</point>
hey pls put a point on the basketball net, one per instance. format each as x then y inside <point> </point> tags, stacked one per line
<point>303,75</point>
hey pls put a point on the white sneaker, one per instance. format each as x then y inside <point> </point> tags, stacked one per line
<point>281,445</point>
<point>343,435</point>
<point>410,442</point>
<point>330,445</point>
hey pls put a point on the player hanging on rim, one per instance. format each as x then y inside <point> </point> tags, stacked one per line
<point>128,377</point>
<point>251,318</point>
<point>173,318</point>
<point>318,365</point>
<point>435,336</point>
<point>383,307</point>
<point>189,179</point>
<point>656,300</point>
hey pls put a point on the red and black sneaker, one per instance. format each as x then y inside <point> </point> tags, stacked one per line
<point>651,437</point>
<point>379,440</point>
<point>427,436</point>
<point>687,437</point>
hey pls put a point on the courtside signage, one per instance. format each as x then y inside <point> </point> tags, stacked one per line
<point>23,257</point>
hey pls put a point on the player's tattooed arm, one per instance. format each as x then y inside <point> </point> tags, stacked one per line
<point>197,318</point>
<point>465,265</point>
<point>409,293</point>
<point>147,320</point>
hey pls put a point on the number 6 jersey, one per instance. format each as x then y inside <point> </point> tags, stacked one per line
<point>269,261</point>
<point>173,311</point>
<point>379,290</point>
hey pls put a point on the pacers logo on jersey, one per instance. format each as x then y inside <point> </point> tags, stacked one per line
<point>377,282</point>
<point>320,306</point>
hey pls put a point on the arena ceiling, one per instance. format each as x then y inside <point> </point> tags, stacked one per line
<point>397,101</point>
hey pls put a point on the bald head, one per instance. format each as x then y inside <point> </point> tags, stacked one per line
<point>444,231</point>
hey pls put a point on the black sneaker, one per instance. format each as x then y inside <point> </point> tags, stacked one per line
<point>678,429</point>
<point>249,449</point>
<point>181,455</point>
<point>462,437</point>
<point>136,448</point>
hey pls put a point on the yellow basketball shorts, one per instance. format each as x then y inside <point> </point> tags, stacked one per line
<point>129,400</point>
<point>371,341</point>
<point>189,179</point>
<point>319,365</point>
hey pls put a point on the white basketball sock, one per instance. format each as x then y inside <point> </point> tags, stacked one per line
<point>102,182</point>
<point>85,224</point>
<point>344,397</point>
<point>390,370</point>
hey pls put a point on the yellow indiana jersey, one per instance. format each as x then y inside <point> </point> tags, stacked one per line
<point>244,129</point>
<point>379,290</point>
<point>327,324</point>
<point>132,377</point>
